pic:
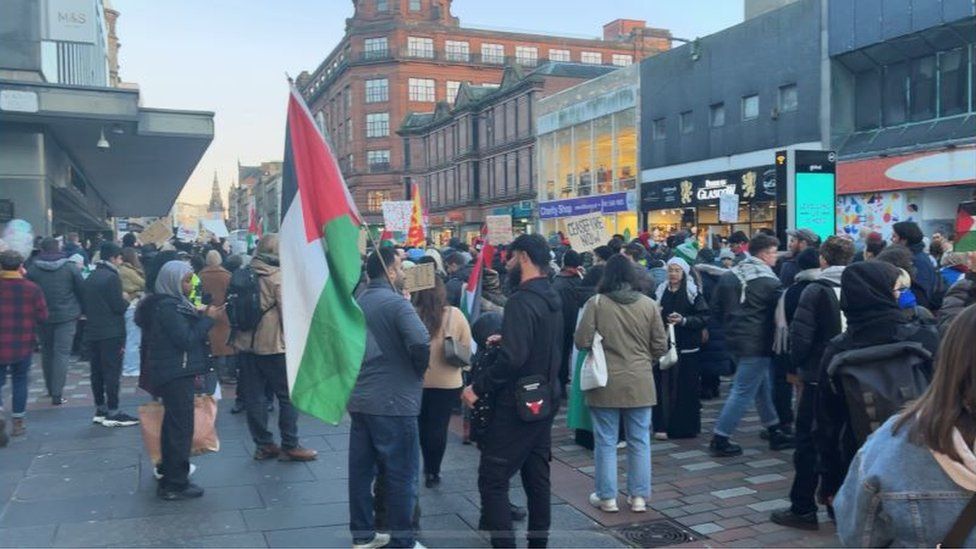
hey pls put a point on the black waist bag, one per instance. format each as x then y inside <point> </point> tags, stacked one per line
<point>533,398</point>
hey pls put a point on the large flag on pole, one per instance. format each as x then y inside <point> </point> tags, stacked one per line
<point>254,229</point>
<point>415,234</point>
<point>325,332</point>
<point>471,298</point>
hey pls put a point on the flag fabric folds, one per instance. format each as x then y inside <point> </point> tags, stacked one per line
<point>471,298</point>
<point>325,332</point>
<point>966,227</point>
<point>415,234</point>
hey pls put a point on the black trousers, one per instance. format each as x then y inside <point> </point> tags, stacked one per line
<point>258,371</point>
<point>106,372</point>
<point>684,414</point>
<point>177,433</point>
<point>782,390</point>
<point>510,446</point>
<point>435,416</point>
<point>805,458</point>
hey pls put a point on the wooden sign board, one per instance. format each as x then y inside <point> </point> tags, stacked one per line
<point>158,231</point>
<point>586,232</point>
<point>499,229</point>
<point>419,277</point>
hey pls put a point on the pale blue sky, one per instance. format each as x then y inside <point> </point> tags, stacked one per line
<point>230,56</point>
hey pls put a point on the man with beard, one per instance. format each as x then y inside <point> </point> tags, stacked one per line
<point>518,437</point>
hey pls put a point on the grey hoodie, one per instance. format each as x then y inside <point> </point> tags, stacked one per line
<point>60,280</point>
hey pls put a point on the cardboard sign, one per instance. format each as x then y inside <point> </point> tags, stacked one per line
<point>499,229</point>
<point>728,208</point>
<point>396,215</point>
<point>587,232</point>
<point>184,234</point>
<point>419,277</point>
<point>158,231</point>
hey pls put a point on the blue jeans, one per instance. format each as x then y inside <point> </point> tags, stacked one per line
<point>637,424</point>
<point>18,378</point>
<point>391,442</point>
<point>752,383</point>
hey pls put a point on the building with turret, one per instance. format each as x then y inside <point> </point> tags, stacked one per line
<point>216,208</point>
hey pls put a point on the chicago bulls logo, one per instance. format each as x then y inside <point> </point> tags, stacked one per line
<point>534,406</point>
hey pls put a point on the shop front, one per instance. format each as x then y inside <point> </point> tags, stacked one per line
<point>693,202</point>
<point>619,213</point>
<point>448,225</point>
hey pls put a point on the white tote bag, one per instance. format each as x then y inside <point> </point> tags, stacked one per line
<point>593,372</point>
<point>670,358</point>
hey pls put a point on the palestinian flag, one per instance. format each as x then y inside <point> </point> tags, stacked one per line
<point>471,298</point>
<point>325,332</point>
<point>254,227</point>
<point>966,227</point>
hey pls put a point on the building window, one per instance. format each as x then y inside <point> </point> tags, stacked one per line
<point>787,98</point>
<point>452,91</point>
<point>493,53</point>
<point>348,127</point>
<point>377,90</point>
<point>351,162</point>
<point>750,107</point>
<point>375,199</point>
<point>591,57</point>
<point>659,127</point>
<point>527,55</point>
<point>952,82</point>
<point>922,93</point>
<point>378,124</point>
<point>378,161</point>
<point>457,51</point>
<point>375,48</point>
<point>894,99</point>
<point>382,6</point>
<point>686,122</point>
<point>420,47</point>
<point>559,55</point>
<point>414,5</point>
<point>717,115</point>
<point>421,89</point>
<point>623,60</point>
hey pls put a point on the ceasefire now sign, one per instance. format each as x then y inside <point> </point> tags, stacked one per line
<point>586,232</point>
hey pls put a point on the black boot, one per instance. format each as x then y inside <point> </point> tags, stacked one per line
<point>721,447</point>
<point>778,440</point>
<point>803,521</point>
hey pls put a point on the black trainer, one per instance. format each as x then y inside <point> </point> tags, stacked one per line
<point>721,447</point>
<point>120,419</point>
<point>803,521</point>
<point>778,440</point>
<point>169,494</point>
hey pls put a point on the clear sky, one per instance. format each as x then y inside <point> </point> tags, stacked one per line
<point>231,56</point>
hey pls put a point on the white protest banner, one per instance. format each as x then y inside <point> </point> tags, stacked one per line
<point>728,208</point>
<point>499,229</point>
<point>186,235</point>
<point>396,215</point>
<point>419,277</point>
<point>158,231</point>
<point>586,232</point>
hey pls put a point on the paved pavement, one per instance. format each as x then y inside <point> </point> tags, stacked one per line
<point>69,483</point>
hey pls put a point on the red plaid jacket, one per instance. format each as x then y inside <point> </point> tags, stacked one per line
<point>22,308</point>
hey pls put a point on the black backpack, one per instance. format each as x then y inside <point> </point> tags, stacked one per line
<point>878,381</point>
<point>244,300</point>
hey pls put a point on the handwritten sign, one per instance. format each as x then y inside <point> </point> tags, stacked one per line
<point>396,215</point>
<point>499,229</point>
<point>419,277</point>
<point>587,232</point>
<point>158,231</point>
<point>185,234</point>
<point>728,208</point>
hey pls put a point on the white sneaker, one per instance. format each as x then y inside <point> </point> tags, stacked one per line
<point>637,504</point>
<point>605,505</point>
<point>379,540</point>
<point>418,545</point>
<point>660,436</point>
<point>622,444</point>
<point>159,476</point>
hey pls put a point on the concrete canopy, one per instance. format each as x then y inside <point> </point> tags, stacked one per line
<point>151,153</point>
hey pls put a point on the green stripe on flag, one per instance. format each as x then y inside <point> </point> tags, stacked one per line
<point>337,335</point>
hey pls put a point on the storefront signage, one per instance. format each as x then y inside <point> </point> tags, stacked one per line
<point>752,185</point>
<point>18,101</point>
<point>586,232</point>
<point>70,20</point>
<point>571,207</point>
<point>811,191</point>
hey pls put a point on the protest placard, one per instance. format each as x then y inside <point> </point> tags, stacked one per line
<point>586,232</point>
<point>396,215</point>
<point>158,231</point>
<point>499,229</point>
<point>728,208</point>
<point>419,277</point>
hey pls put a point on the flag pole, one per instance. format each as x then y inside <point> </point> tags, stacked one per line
<point>376,250</point>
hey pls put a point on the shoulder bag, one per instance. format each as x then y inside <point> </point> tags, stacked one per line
<point>962,527</point>
<point>593,372</point>
<point>671,357</point>
<point>455,353</point>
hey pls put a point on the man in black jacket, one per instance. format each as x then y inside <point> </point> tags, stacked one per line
<point>746,300</point>
<point>816,321</point>
<point>104,309</point>
<point>530,345</point>
<point>566,284</point>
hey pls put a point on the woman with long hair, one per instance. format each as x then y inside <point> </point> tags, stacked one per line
<point>133,287</point>
<point>442,381</point>
<point>912,478</point>
<point>633,338</point>
<point>678,412</point>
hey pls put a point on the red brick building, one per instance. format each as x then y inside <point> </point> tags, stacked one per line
<point>403,56</point>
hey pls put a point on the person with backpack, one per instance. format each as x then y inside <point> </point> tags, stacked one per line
<point>815,320</point>
<point>961,295</point>
<point>909,235</point>
<point>254,312</point>
<point>912,483</point>
<point>881,348</point>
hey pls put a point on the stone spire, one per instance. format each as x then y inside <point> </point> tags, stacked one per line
<point>216,202</point>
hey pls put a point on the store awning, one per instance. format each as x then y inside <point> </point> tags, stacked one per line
<point>151,152</point>
<point>939,168</point>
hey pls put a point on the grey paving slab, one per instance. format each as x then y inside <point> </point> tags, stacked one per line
<point>147,529</point>
<point>234,471</point>
<point>584,538</point>
<point>70,462</point>
<point>707,528</point>
<point>449,530</point>
<point>733,492</point>
<point>246,539</point>
<point>330,465</point>
<point>304,516</point>
<point>770,505</point>
<point>27,536</point>
<point>763,479</point>
<point>326,536</point>
<point>701,466</point>
<point>48,487</point>
<point>292,494</point>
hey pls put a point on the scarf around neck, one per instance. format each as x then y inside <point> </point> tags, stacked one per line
<point>691,288</point>
<point>749,269</point>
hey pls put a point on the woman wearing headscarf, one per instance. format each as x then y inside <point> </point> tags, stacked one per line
<point>678,410</point>
<point>175,349</point>
<point>214,280</point>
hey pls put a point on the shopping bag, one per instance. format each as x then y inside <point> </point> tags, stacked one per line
<point>205,437</point>
<point>593,374</point>
<point>151,423</point>
<point>671,357</point>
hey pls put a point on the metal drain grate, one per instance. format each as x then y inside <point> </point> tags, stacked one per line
<point>658,533</point>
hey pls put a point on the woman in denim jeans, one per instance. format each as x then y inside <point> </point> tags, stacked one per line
<point>914,475</point>
<point>633,338</point>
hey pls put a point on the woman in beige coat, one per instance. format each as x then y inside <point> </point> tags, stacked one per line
<point>442,381</point>
<point>633,338</point>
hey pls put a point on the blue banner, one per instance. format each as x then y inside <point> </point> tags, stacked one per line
<point>570,207</point>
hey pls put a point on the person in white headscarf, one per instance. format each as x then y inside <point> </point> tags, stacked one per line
<point>678,411</point>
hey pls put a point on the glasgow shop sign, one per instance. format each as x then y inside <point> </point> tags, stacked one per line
<point>752,185</point>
